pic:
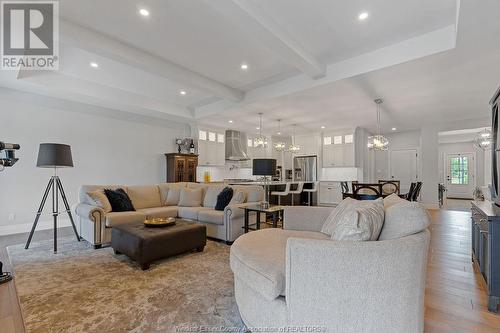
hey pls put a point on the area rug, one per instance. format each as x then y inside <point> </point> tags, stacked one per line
<point>80,289</point>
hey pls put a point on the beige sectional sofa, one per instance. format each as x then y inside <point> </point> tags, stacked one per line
<point>299,277</point>
<point>95,223</point>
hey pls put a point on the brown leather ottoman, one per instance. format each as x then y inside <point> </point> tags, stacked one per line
<point>145,245</point>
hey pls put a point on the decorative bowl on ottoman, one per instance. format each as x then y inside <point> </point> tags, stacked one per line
<point>159,222</point>
<point>145,245</point>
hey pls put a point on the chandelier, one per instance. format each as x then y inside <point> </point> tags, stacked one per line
<point>260,141</point>
<point>484,139</point>
<point>293,148</point>
<point>279,145</point>
<point>378,141</point>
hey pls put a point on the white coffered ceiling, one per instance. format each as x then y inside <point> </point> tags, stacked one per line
<point>312,63</point>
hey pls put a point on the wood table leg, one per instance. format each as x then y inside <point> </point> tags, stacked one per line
<point>258,221</point>
<point>246,220</point>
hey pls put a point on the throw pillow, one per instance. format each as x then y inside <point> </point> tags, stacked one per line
<point>404,219</point>
<point>392,200</point>
<point>99,199</point>
<point>173,196</point>
<point>191,197</point>
<point>336,214</point>
<point>361,222</point>
<point>238,198</point>
<point>211,194</point>
<point>224,198</point>
<point>119,200</point>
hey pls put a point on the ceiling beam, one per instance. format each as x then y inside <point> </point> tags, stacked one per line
<point>434,42</point>
<point>55,84</point>
<point>102,45</point>
<point>249,16</point>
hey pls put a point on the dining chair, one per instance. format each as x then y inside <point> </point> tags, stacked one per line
<point>409,195</point>
<point>366,191</point>
<point>390,186</point>
<point>416,193</point>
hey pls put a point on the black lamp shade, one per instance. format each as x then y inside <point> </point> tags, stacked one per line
<point>264,167</point>
<point>54,155</point>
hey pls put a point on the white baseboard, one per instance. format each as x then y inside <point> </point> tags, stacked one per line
<point>11,229</point>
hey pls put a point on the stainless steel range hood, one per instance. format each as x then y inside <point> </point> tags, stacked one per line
<point>236,146</point>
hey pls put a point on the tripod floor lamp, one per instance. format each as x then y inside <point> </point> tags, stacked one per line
<point>54,155</point>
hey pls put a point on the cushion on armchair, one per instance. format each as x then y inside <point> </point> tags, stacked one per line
<point>191,197</point>
<point>100,199</point>
<point>119,200</point>
<point>404,219</point>
<point>361,222</point>
<point>238,198</point>
<point>224,198</point>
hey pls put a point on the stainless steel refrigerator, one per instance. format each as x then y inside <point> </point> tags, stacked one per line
<point>305,168</point>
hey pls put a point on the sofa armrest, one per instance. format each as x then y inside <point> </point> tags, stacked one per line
<point>305,218</point>
<point>93,213</point>
<point>352,286</point>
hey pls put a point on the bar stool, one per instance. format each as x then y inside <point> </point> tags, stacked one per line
<point>310,191</point>
<point>298,190</point>
<point>283,193</point>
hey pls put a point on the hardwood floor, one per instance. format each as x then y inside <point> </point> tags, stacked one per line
<point>455,298</point>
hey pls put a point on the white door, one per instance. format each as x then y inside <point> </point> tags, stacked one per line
<point>460,175</point>
<point>403,167</point>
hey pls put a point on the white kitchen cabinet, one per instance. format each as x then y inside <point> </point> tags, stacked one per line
<point>211,148</point>
<point>338,151</point>
<point>330,193</point>
<point>309,144</point>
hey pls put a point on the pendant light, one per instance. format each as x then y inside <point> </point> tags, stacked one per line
<point>484,139</point>
<point>260,141</point>
<point>293,148</point>
<point>279,145</point>
<point>378,141</point>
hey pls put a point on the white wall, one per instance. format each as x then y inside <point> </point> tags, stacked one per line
<point>105,151</point>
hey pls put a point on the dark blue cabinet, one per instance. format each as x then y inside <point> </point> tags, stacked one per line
<point>485,242</point>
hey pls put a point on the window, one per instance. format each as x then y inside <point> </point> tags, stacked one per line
<point>327,140</point>
<point>220,138</point>
<point>459,170</point>
<point>349,138</point>
<point>211,136</point>
<point>202,135</point>
<point>337,140</point>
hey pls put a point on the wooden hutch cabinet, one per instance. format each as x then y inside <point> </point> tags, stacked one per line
<point>181,167</point>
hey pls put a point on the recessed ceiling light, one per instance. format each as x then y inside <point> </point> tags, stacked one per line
<point>257,128</point>
<point>363,16</point>
<point>244,67</point>
<point>183,92</point>
<point>94,65</point>
<point>230,121</point>
<point>279,133</point>
<point>394,128</point>
<point>144,12</point>
<point>322,127</point>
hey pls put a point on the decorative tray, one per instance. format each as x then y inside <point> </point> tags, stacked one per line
<point>159,222</point>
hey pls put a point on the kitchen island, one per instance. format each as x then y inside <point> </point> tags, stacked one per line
<point>278,185</point>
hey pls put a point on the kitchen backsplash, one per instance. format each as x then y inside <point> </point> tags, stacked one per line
<point>219,173</point>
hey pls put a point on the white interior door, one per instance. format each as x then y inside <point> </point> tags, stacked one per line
<point>403,167</point>
<point>460,175</point>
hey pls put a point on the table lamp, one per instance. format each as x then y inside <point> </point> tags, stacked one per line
<point>264,167</point>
